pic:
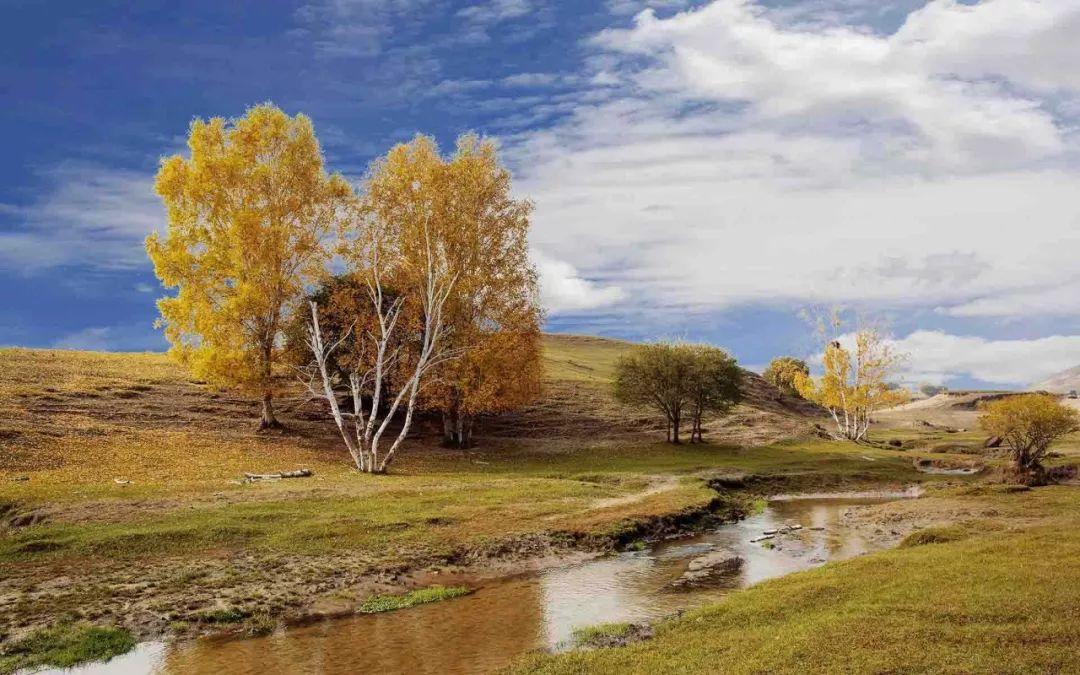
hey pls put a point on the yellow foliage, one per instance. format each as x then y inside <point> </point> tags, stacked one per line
<point>855,384</point>
<point>247,214</point>
<point>1029,424</point>
<point>465,205</point>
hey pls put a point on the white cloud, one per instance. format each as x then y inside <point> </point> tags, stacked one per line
<point>1050,300</point>
<point>563,290</point>
<point>625,7</point>
<point>494,11</point>
<point>88,215</point>
<point>734,156</point>
<point>939,357</point>
<point>352,28</point>
<point>531,79</point>
<point>934,89</point>
<point>126,337</point>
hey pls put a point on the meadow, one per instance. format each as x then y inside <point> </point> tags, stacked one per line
<point>125,506</point>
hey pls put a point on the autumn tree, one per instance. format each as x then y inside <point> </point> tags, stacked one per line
<point>855,383</point>
<point>401,252</point>
<point>248,210</point>
<point>345,307</point>
<point>1028,424</point>
<point>678,380</point>
<point>493,315</point>
<point>783,371</point>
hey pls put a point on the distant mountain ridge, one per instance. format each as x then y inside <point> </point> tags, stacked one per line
<point>1061,383</point>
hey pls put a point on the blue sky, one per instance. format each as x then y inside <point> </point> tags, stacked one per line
<point>700,169</point>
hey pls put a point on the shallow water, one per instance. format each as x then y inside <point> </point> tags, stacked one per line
<point>946,471</point>
<point>485,631</point>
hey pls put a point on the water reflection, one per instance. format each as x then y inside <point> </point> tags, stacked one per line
<point>485,631</point>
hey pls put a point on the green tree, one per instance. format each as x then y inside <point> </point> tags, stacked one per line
<point>784,371</point>
<point>715,385</point>
<point>678,380</point>
<point>1028,424</point>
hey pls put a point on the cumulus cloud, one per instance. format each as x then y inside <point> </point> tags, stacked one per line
<point>939,357</point>
<point>88,215</point>
<point>563,290</point>
<point>737,154</point>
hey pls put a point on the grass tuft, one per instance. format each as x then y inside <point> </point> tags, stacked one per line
<point>65,646</point>
<point>421,596</point>
<point>601,633</point>
<point>936,535</point>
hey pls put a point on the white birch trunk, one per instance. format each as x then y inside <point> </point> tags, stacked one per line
<point>363,430</point>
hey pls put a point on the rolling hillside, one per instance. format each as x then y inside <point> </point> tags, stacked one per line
<point>1061,383</point>
<point>577,401</point>
<point>54,400</point>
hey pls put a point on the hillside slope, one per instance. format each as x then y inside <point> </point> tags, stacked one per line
<point>578,402</point>
<point>1061,383</point>
<point>54,400</point>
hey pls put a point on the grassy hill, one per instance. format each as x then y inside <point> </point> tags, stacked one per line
<point>577,401</point>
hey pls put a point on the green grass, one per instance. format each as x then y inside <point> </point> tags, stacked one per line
<point>1000,595</point>
<point>65,646</point>
<point>589,635</point>
<point>435,512</point>
<point>399,515</point>
<point>421,596</point>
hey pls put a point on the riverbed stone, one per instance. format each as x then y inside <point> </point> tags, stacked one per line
<point>711,564</point>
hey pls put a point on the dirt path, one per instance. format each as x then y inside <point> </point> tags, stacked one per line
<point>657,484</point>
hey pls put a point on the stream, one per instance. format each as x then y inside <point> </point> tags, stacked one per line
<point>488,629</point>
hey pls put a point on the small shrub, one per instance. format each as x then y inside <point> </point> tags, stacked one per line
<point>1028,424</point>
<point>783,371</point>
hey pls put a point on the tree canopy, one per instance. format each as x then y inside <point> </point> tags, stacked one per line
<point>855,383</point>
<point>783,371</point>
<point>1028,424</point>
<point>678,380</point>
<point>248,210</point>
<point>493,317</point>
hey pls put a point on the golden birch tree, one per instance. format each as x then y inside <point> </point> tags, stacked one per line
<point>465,204</point>
<point>248,210</point>
<point>856,381</point>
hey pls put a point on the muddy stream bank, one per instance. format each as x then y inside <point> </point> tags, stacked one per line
<point>487,630</point>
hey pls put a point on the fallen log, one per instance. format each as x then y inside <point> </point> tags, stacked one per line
<point>299,473</point>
